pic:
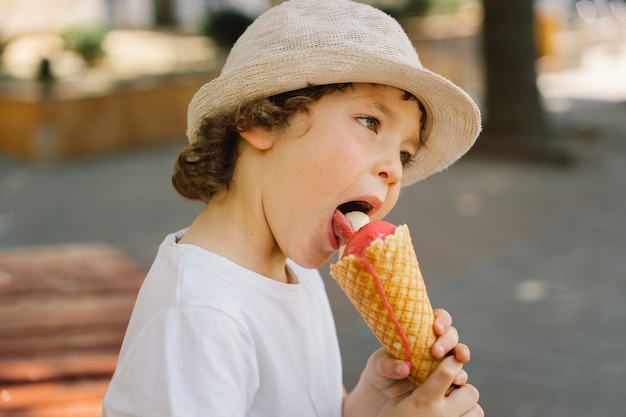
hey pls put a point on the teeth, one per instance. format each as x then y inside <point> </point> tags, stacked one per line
<point>357,219</point>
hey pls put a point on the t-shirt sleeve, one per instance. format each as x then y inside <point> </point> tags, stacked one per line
<point>190,361</point>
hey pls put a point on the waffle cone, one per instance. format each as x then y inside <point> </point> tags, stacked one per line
<point>393,258</point>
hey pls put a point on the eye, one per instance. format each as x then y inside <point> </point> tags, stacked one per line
<point>406,158</point>
<point>370,122</point>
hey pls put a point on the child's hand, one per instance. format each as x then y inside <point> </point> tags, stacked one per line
<point>383,386</point>
<point>387,374</point>
<point>383,379</point>
<point>430,400</point>
<point>384,382</point>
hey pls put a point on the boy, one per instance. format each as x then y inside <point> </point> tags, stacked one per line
<point>322,107</point>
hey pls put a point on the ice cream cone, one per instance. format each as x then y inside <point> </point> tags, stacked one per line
<point>395,304</point>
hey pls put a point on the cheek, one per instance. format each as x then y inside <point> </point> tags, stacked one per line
<point>344,155</point>
<point>328,161</point>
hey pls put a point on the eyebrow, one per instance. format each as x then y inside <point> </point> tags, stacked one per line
<point>386,110</point>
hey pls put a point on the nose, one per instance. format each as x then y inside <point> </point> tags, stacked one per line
<point>389,168</point>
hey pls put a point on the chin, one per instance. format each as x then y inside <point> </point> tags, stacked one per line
<point>313,262</point>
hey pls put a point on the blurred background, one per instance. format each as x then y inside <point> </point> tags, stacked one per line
<point>522,241</point>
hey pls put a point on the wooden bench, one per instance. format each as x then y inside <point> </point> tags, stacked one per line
<point>63,313</point>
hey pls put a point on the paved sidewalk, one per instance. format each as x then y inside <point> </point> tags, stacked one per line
<point>529,259</point>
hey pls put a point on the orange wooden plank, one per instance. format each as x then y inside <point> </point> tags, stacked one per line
<point>67,269</point>
<point>52,313</point>
<point>39,346</point>
<point>59,367</point>
<point>63,313</point>
<point>30,325</point>
<point>82,408</point>
<point>52,398</point>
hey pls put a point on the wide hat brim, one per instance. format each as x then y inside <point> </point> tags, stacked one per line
<point>452,122</point>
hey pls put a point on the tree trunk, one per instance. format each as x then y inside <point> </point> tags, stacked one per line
<point>164,13</point>
<point>513,105</point>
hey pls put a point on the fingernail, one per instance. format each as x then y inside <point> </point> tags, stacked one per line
<point>440,351</point>
<point>399,368</point>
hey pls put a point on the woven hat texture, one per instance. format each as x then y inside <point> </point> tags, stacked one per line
<point>300,43</point>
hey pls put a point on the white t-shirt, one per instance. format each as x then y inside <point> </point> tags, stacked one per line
<point>208,337</point>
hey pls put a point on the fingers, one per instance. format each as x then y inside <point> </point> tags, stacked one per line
<point>466,401</point>
<point>448,337</point>
<point>463,401</point>
<point>443,321</point>
<point>387,367</point>
<point>437,384</point>
<point>445,343</point>
<point>462,353</point>
<point>433,397</point>
<point>461,378</point>
<point>388,376</point>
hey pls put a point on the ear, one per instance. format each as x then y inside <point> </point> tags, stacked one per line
<point>258,138</point>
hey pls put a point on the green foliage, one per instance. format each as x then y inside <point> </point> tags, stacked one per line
<point>417,7</point>
<point>85,41</point>
<point>446,6</point>
<point>225,26</point>
<point>407,8</point>
<point>3,44</point>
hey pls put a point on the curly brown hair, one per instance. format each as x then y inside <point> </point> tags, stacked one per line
<point>205,167</point>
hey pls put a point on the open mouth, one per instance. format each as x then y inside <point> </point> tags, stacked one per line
<point>342,229</point>
<point>362,206</point>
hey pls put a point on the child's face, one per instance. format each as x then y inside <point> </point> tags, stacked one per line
<point>351,146</point>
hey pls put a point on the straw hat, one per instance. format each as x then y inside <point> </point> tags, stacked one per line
<point>300,43</point>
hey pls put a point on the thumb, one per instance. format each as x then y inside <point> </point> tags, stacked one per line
<point>385,370</point>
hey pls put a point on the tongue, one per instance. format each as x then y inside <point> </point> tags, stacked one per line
<point>341,227</point>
